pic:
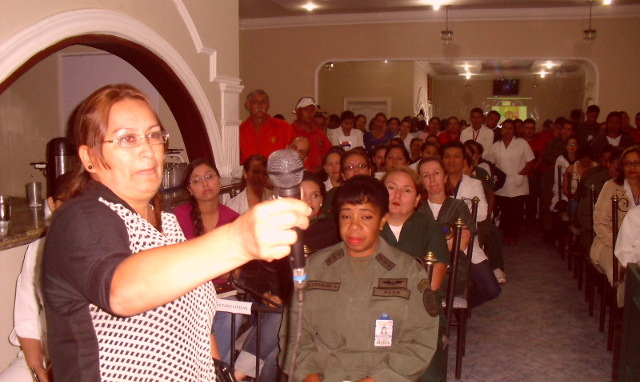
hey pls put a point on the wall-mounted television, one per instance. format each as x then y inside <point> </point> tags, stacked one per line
<point>505,87</point>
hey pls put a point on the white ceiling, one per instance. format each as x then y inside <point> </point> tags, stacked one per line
<point>253,9</point>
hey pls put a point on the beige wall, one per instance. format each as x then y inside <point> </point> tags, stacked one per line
<point>211,53</point>
<point>370,79</point>
<point>283,61</point>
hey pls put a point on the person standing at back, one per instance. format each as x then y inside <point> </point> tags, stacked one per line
<point>261,133</point>
<point>478,131</point>
<point>303,127</point>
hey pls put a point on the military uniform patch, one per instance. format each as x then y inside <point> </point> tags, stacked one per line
<point>334,257</point>
<point>392,292</point>
<point>323,285</point>
<point>393,283</point>
<point>385,262</point>
<point>430,301</point>
<point>423,284</point>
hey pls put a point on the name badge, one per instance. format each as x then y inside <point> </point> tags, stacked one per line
<point>383,332</point>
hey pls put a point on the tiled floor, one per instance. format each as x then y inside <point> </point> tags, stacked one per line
<point>538,329</point>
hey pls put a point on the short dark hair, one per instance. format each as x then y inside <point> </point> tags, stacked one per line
<point>476,110</point>
<point>477,146</point>
<point>454,145</point>
<point>311,177</point>
<point>362,189</point>
<point>593,109</point>
<point>530,120</point>
<point>347,114</point>
<point>393,119</point>
<point>404,151</point>
<point>355,151</point>
<point>613,114</point>
<point>494,112</point>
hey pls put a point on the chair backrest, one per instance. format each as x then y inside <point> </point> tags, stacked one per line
<point>455,259</point>
<point>615,201</point>
<point>592,204</point>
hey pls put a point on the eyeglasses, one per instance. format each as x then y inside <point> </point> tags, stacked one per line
<point>631,164</point>
<point>359,166</point>
<point>208,177</point>
<point>135,140</point>
<point>572,144</point>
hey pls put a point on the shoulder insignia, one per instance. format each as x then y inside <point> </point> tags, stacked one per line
<point>323,285</point>
<point>393,283</point>
<point>385,262</point>
<point>430,301</point>
<point>334,257</point>
<point>423,284</point>
<point>392,292</point>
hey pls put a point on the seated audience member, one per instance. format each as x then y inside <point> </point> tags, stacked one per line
<point>393,125</point>
<point>331,167</point>
<point>303,127</point>
<point>606,170</point>
<point>405,133</point>
<point>203,213</point>
<point>378,158</point>
<point>491,121</point>
<point>260,133</point>
<point>354,162</point>
<point>563,129</point>
<point>345,135</point>
<point>334,122</point>
<point>452,133</point>
<point>396,156</point>
<point>28,330</point>
<point>322,231</point>
<point>627,187</point>
<point>361,123</point>
<point>416,234</point>
<point>514,157</point>
<point>463,187</point>
<point>300,145</point>
<point>635,133</point>
<point>433,139</point>
<point>446,210</point>
<point>613,135</point>
<point>433,128</point>
<point>429,150</point>
<point>576,171</point>
<point>625,122</point>
<point>378,134</point>
<point>350,333</point>
<point>415,150</point>
<point>254,177</point>
<point>628,244</point>
<point>564,161</point>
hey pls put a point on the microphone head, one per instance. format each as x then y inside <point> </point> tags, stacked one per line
<point>285,169</point>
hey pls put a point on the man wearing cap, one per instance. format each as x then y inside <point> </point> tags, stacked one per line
<point>303,127</point>
<point>261,133</point>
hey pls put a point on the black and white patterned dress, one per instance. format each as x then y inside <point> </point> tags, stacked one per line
<point>164,343</point>
<point>87,343</point>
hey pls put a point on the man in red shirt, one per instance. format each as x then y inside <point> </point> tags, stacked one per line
<point>261,133</point>
<point>452,133</point>
<point>303,127</point>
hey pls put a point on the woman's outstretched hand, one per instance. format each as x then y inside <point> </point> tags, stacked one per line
<point>266,231</point>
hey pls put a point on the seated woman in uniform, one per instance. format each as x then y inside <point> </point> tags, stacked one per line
<point>446,210</point>
<point>416,233</point>
<point>363,319</point>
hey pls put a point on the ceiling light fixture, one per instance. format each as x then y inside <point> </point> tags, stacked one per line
<point>310,6</point>
<point>446,35</point>
<point>549,65</point>
<point>607,2</point>
<point>590,34</point>
<point>468,75</point>
<point>436,4</point>
<point>543,74</point>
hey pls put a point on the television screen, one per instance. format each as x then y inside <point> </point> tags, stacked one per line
<point>505,87</point>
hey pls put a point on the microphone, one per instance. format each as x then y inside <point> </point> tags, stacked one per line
<point>285,170</point>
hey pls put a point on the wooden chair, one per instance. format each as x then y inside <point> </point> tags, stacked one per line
<point>457,307</point>
<point>614,311</point>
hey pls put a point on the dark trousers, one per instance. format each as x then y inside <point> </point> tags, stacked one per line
<point>531,205</point>
<point>511,211</point>
<point>485,285</point>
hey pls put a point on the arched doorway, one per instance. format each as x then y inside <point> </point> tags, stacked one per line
<point>171,88</point>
